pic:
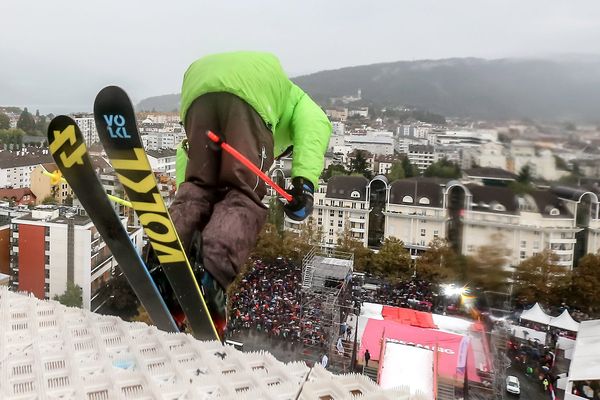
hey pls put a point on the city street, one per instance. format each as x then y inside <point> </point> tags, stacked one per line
<point>531,388</point>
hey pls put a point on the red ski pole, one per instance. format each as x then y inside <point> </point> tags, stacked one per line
<point>241,158</point>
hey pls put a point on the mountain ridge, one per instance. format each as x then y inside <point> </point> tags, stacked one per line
<point>565,88</point>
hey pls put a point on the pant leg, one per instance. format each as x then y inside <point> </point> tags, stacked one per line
<point>195,197</point>
<point>231,235</point>
<point>237,219</point>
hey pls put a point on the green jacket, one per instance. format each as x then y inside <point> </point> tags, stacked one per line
<point>257,78</point>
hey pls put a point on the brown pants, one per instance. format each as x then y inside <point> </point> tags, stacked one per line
<point>220,197</point>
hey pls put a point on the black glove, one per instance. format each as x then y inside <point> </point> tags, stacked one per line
<point>301,205</point>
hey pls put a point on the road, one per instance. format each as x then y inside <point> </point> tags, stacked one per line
<point>531,388</point>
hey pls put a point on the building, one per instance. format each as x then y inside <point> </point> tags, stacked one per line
<point>489,176</point>
<point>20,196</point>
<point>489,154</point>
<point>468,215</point>
<point>421,156</point>
<point>162,140</point>
<point>43,187</point>
<point>415,212</point>
<point>337,114</point>
<point>52,246</point>
<point>375,143</point>
<point>16,166</point>
<point>541,162</point>
<point>339,206</point>
<point>162,161</point>
<point>87,125</point>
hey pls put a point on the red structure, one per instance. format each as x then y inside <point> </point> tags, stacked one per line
<point>32,260</point>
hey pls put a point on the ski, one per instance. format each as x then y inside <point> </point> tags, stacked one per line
<point>68,149</point>
<point>117,129</point>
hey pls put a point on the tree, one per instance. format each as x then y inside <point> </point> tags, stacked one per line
<point>122,301</point>
<point>525,175</point>
<point>333,170</point>
<point>362,254</point>
<point>276,214</point>
<point>359,165</point>
<point>26,122</point>
<point>392,260</point>
<point>409,169</point>
<point>586,281</point>
<point>439,263</point>
<point>443,169</point>
<point>539,278</point>
<point>270,243</point>
<point>49,200</point>
<point>41,126</point>
<point>72,297</point>
<point>4,121</point>
<point>488,268</point>
<point>396,172</point>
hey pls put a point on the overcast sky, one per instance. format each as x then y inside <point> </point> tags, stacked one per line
<point>56,55</point>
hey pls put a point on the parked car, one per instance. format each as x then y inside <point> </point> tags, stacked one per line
<point>512,385</point>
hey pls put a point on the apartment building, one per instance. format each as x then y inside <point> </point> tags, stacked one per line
<point>162,140</point>
<point>468,215</point>
<point>43,187</point>
<point>162,161</point>
<point>340,205</point>
<point>51,246</point>
<point>87,125</point>
<point>421,156</point>
<point>16,166</point>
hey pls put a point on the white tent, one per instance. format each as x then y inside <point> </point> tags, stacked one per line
<point>585,364</point>
<point>536,314</point>
<point>564,321</point>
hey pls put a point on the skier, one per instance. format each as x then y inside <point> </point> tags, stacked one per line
<point>247,100</point>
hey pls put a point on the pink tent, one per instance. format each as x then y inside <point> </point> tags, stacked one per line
<point>448,345</point>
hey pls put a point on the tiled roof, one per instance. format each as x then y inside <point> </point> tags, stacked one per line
<point>417,188</point>
<point>491,173</point>
<point>11,159</point>
<point>342,187</point>
<point>484,197</point>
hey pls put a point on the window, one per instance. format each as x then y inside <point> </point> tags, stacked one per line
<point>320,221</point>
<point>320,211</point>
<point>47,260</point>
<point>554,212</point>
<point>523,244</point>
<point>407,199</point>
<point>422,232</point>
<point>536,245</point>
<point>355,194</point>
<point>340,223</point>
<point>320,202</point>
<point>523,255</point>
<point>330,222</point>
<point>341,214</point>
<point>435,234</point>
<point>47,273</point>
<point>331,213</point>
<point>331,232</point>
<point>424,200</point>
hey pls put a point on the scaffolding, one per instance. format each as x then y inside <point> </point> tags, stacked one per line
<point>326,274</point>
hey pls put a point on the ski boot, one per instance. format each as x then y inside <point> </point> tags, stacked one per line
<point>163,286</point>
<point>214,294</point>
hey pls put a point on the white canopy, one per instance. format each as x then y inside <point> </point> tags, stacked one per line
<point>586,358</point>
<point>565,321</point>
<point>536,314</point>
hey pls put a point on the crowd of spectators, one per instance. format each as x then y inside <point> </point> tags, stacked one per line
<point>415,294</point>
<point>268,300</point>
